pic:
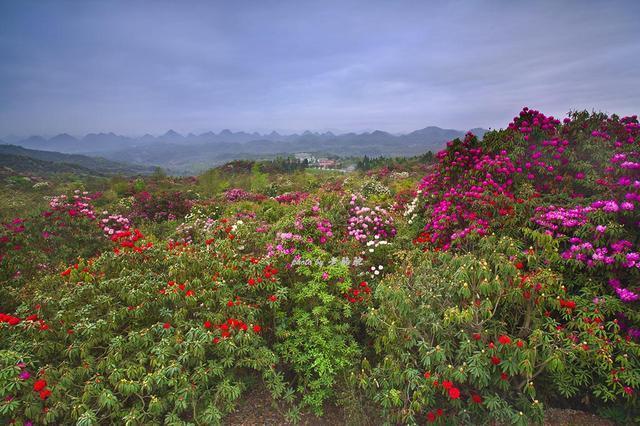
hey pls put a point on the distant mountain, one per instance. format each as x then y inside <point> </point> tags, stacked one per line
<point>171,136</point>
<point>11,139</point>
<point>80,163</point>
<point>176,151</point>
<point>11,164</point>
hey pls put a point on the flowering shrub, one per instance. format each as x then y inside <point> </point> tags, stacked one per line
<point>160,207</point>
<point>365,223</point>
<point>113,223</point>
<point>292,197</point>
<point>239,194</point>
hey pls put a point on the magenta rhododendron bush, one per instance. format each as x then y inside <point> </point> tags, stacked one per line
<point>480,285</point>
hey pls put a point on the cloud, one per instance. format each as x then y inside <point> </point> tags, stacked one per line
<point>293,65</point>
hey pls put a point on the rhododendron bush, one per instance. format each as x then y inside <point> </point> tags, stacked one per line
<point>496,281</point>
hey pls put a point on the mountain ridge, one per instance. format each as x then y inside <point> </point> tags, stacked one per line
<point>173,150</point>
<point>12,153</point>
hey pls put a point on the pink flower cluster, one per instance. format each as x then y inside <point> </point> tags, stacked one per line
<point>468,188</point>
<point>554,218</point>
<point>295,197</point>
<point>285,243</point>
<point>624,294</point>
<point>239,194</point>
<point>365,223</point>
<point>78,205</point>
<point>325,228</point>
<point>113,223</point>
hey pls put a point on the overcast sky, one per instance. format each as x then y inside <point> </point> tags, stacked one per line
<point>134,67</point>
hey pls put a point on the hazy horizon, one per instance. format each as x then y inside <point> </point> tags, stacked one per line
<point>349,66</point>
<point>336,132</point>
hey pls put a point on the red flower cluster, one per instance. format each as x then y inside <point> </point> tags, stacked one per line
<point>176,288</point>
<point>41,387</point>
<point>268,272</point>
<point>229,326</point>
<point>67,271</point>
<point>476,398</point>
<point>9,319</point>
<point>569,304</point>
<point>172,245</point>
<point>355,294</point>
<point>432,416</point>
<point>128,239</point>
<point>504,340</point>
<point>422,238</point>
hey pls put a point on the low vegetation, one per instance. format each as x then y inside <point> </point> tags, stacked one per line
<point>482,284</point>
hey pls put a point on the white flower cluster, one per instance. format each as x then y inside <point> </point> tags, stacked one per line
<point>43,184</point>
<point>399,175</point>
<point>235,225</point>
<point>376,271</point>
<point>375,243</point>
<point>411,208</point>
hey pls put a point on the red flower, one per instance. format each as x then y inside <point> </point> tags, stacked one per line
<point>491,345</point>
<point>216,340</point>
<point>447,384</point>
<point>454,393</point>
<point>495,360</point>
<point>477,336</point>
<point>257,328</point>
<point>519,265</point>
<point>39,385</point>
<point>520,343</point>
<point>207,324</point>
<point>504,340</point>
<point>476,398</point>
<point>503,376</point>
<point>273,298</point>
<point>427,375</point>
<point>230,303</point>
<point>166,325</point>
<point>44,394</point>
<point>431,417</point>
<point>189,293</point>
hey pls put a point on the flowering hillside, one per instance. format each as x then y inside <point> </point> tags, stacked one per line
<point>485,284</point>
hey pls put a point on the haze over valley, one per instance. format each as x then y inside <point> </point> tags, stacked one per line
<point>191,153</point>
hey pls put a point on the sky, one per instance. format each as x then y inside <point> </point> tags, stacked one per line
<point>135,67</point>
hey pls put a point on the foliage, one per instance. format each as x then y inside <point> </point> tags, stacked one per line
<point>480,285</point>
